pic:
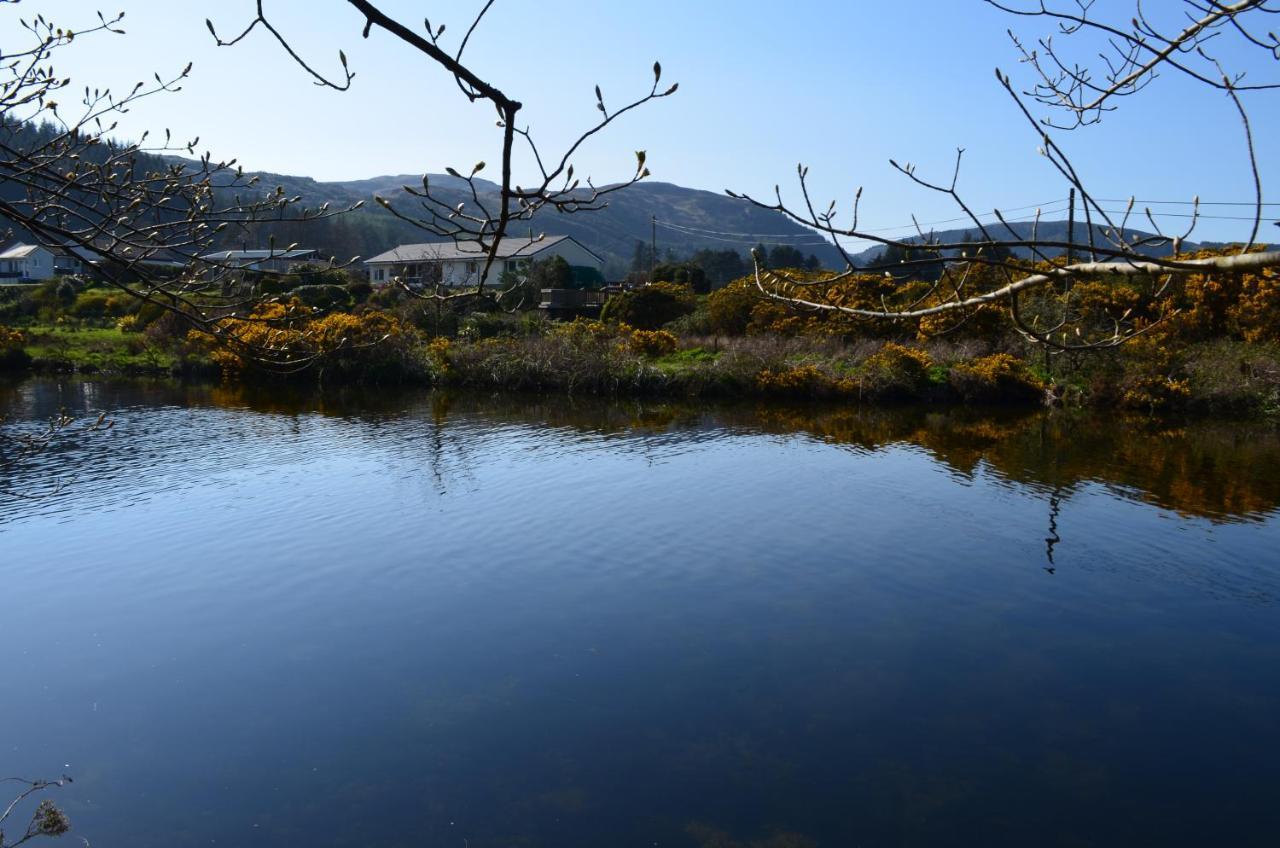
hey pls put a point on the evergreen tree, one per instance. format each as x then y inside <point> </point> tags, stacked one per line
<point>721,266</point>
<point>786,256</point>
<point>640,261</point>
<point>686,274</point>
<point>897,258</point>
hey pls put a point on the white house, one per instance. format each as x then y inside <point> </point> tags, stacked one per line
<point>460,265</point>
<point>26,262</point>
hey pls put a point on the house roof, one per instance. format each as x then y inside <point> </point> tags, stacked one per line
<point>256,255</point>
<point>439,251</point>
<point>21,251</point>
<point>159,258</point>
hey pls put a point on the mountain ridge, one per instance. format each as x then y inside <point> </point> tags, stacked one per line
<point>687,220</point>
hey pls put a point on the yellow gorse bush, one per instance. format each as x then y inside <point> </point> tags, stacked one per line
<point>1156,392</point>
<point>585,331</point>
<point>653,343</point>
<point>802,380</point>
<point>289,332</point>
<point>895,370</point>
<point>997,377</point>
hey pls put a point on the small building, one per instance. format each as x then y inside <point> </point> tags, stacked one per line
<point>26,263</point>
<point>68,263</point>
<point>460,265</point>
<point>264,261</point>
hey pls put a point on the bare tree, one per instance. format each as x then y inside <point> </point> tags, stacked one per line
<point>47,820</point>
<point>481,223</point>
<point>148,213</point>
<point>1135,51</point>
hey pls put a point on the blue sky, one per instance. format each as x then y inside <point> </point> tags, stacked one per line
<point>841,86</point>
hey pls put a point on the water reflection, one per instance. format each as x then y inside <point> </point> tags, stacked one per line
<point>1222,471</point>
<point>1053,539</point>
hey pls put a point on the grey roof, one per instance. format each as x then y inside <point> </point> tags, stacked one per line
<point>510,247</point>
<point>21,251</point>
<point>256,255</point>
<point>164,258</point>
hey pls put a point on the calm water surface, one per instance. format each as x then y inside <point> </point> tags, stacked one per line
<point>242,620</point>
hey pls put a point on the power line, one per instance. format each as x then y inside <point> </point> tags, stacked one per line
<point>1183,202</point>
<point>1141,215</point>
<point>752,241</point>
<point>699,231</point>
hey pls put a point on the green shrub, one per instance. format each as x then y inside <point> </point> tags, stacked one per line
<point>684,274</point>
<point>651,306</point>
<point>696,323</point>
<point>315,275</point>
<point>323,296</point>
<point>729,309</point>
<point>489,325</point>
<point>553,273</point>
<point>359,290</point>
<point>274,285</point>
<point>97,304</point>
<point>52,297</point>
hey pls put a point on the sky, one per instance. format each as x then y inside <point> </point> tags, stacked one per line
<point>840,86</point>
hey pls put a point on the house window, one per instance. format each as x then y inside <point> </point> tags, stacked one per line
<point>472,267</point>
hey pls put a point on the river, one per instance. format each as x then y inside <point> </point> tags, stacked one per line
<point>253,618</point>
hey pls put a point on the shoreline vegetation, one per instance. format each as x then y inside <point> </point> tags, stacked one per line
<point>1214,348</point>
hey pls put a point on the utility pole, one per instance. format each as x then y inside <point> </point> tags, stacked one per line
<point>653,246</point>
<point>1071,227</point>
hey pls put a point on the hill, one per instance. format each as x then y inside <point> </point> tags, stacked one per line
<point>612,232</point>
<point>688,220</point>
<point>1045,230</point>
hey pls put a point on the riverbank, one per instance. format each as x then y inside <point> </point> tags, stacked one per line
<point>594,358</point>
<point>102,350</point>
<point>1212,347</point>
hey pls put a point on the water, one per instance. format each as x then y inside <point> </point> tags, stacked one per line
<point>405,620</point>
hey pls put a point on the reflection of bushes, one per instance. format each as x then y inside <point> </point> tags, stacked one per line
<point>13,354</point>
<point>707,836</point>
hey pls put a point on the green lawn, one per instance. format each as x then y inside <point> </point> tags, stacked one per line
<point>103,348</point>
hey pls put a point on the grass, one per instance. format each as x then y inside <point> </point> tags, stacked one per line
<point>683,360</point>
<point>95,349</point>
